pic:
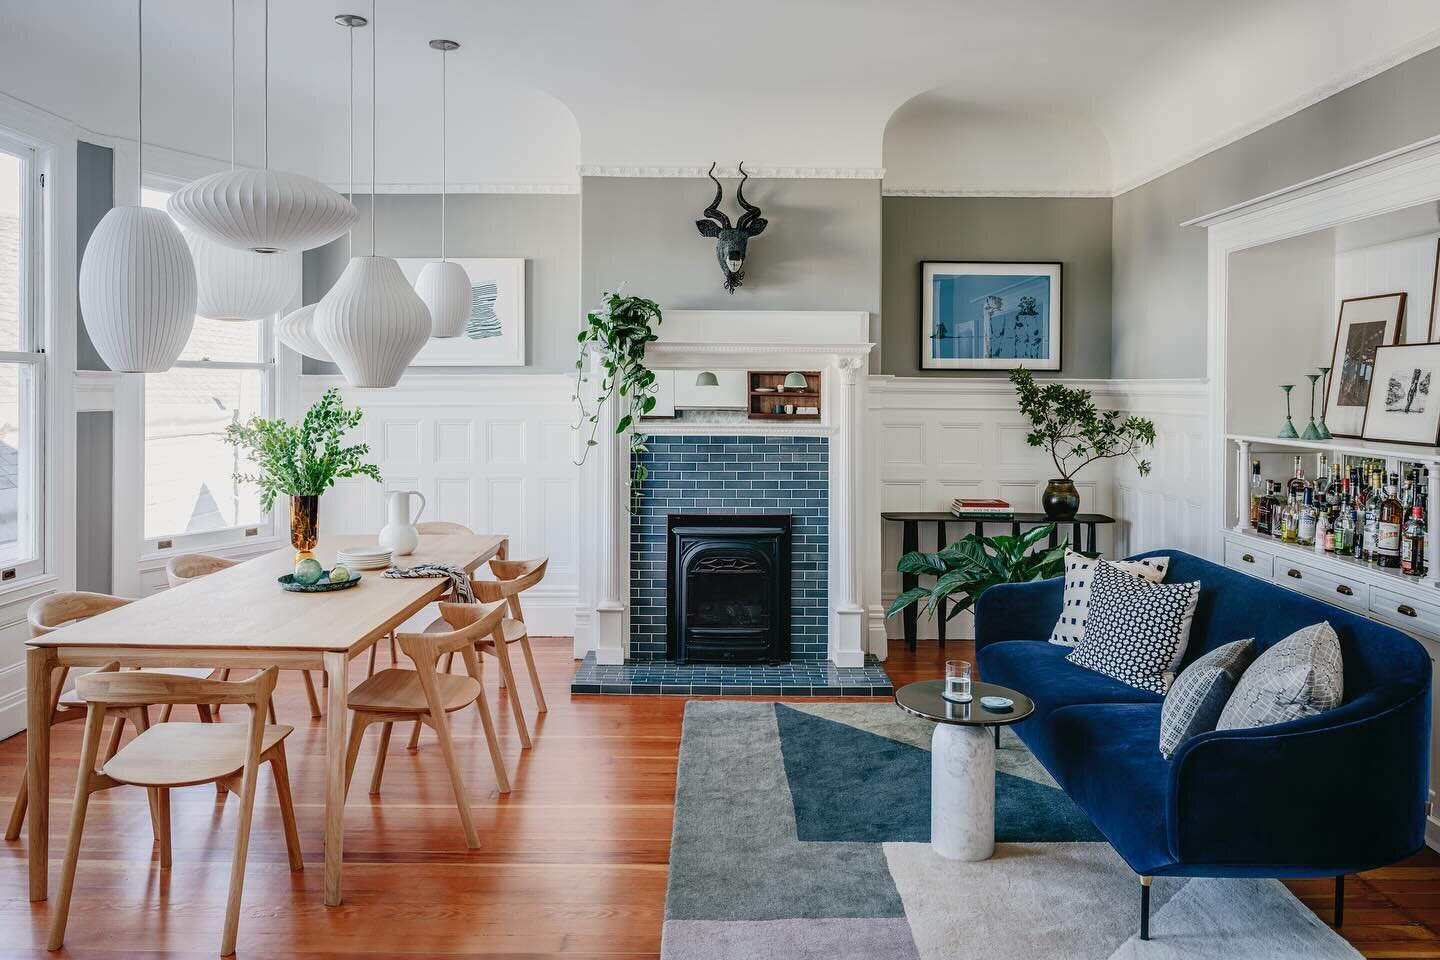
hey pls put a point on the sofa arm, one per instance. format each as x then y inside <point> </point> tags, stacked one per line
<point>1018,611</point>
<point>1338,792</point>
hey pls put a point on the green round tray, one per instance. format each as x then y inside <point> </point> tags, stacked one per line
<point>287,582</point>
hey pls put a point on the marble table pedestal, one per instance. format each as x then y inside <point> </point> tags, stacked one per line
<point>962,792</point>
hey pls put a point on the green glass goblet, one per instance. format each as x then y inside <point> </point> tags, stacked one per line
<point>1325,433</point>
<point>1311,431</point>
<point>1287,432</point>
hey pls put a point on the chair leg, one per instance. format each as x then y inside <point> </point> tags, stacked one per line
<point>449,661</point>
<point>203,709</point>
<point>1339,901</point>
<point>497,759</point>
<point>1145,908</point>
<point>535,674</point>
<point>165,712</point>
<point>508,675</point>
<point>281,772</point>
<point>17,812</point>
<point>93,724</point>
<point>115,731</point>
<point>358,723</point>
<point>270,711</point>
<point>237,865</point>
<point>414,742</point>
<point>310,693</point>
<point>370,670</point>
<point>394,651</point>
<point>162,817</point>
<point>379,772</point>
<point>457,783</point>
<point>224,675</point>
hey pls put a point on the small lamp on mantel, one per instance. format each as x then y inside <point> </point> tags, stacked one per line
<point>707,379</point>
<point>795,381</point>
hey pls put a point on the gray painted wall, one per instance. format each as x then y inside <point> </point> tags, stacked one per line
<point>1076,232</point>
<point>544,229</point>
<point>820,252</point>
<point>94,499</point>
<point>1160,268</point>
<point>94,196</point>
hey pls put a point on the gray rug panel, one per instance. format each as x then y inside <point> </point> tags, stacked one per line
<point>870,939</point>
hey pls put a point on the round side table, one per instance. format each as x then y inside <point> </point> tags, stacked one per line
<point>962,763</point>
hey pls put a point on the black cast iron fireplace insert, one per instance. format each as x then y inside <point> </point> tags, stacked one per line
<point>728,588</point>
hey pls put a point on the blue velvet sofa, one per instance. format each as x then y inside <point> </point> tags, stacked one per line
<point>1321,796</point>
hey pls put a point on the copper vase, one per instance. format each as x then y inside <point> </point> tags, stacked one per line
<point>304,523</point>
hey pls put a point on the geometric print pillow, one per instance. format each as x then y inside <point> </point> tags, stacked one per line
<point>1300,676</point>
<point>1199,694</point>
<point>1079,575</point>
<point>1137,630</point>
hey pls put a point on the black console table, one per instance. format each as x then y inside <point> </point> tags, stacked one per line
<point>910,541</point>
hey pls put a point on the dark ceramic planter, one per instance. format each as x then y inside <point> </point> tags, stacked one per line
<point>1061,500</point>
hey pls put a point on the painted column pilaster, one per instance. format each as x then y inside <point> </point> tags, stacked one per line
<point>612,548</point>
<point>847,613</point>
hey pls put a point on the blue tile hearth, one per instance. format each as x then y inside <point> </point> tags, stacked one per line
<point>799,678</point>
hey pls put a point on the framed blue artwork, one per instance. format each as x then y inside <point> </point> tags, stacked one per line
<point>989,316</point>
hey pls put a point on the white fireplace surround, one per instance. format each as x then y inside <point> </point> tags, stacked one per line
<point>837,343</point>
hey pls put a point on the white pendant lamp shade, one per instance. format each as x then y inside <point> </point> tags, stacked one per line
<point>297,331</point>
<point>444,286</point>
<point>137,290</point>
<point>265,211</point>
<point>240,285</point>
<point>372,322</point>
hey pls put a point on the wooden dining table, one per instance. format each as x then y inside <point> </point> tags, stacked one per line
<point>241,618</point>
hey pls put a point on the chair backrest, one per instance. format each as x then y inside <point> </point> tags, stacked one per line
<point>511,577</point>
<point>53,612</point>
<point>193,566</point>
<point>443,528</point>
<point>132,688</point>
<point>470,623</point>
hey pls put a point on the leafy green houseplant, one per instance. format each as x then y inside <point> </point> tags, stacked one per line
<point>1065,421</point>
<point>965,569</point>
<point>303,461</point>
<point>617,335</point>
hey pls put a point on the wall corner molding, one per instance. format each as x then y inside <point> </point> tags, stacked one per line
<point>755,170</point>
<point>1084,192</point>
<point>471,187</point>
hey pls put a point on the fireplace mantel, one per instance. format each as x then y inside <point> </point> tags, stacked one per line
<point>835,342</point>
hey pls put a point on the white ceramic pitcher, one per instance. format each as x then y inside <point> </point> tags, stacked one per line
<point>400,535</point>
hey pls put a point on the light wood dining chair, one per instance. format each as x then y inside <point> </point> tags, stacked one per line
<point>170,755</point>
<point>185,567</point>
<point>428,696</point>
<point>434,528</point>
<point>49,614</point>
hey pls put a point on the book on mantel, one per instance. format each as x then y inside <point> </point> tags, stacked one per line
<point>964,509</point>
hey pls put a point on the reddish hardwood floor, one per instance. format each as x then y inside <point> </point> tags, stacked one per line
<point>573,862</point>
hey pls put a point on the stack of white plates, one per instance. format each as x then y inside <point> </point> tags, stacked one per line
<point>363,558</point>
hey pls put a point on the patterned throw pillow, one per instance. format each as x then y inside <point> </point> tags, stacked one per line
<point>1199,694</point>
<point>1079,575</point>
<point>1300,676</point>
<point>1137,630</point>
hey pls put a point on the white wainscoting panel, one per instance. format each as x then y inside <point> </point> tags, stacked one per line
<point>492,452</point>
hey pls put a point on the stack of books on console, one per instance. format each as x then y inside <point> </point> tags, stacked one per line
<point>982,509</point>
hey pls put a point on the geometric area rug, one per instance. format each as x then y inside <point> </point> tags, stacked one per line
<point>802,832</point>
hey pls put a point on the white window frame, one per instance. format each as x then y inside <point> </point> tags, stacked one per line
<point>32,335</point>
<point>263,529</point>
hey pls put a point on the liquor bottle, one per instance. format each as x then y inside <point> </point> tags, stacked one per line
<point>1372,518</point>
<point>1277,510</point>
<point>1390,517</point>
<point>1290,521</point>
<point>1412,544</point>
<point>1306,520</point>
<point>1345,524</point>
<point>1295,487</point>
<point>1263,508</point>
<point>1259,490</point>
<point>1329,513</point>
<point>1323,534</point>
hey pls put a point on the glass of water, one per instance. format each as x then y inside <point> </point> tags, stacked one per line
<point>957,680</point>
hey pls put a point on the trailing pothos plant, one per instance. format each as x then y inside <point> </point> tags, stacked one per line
<point>617,335</point>
<point>974,564</point>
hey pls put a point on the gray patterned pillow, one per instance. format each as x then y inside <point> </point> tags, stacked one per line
<point>1300,676</point>
<point>1079,581</point>
<point>1199,694</point>
<point>1137,630</point>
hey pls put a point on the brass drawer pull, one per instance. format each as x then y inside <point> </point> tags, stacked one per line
<point>1406,609</point>
<point>1248,558</point>
<point>1344,590</point>
<point>1295,574</point>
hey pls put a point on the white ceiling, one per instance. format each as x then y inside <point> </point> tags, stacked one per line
<point>1029,95</point>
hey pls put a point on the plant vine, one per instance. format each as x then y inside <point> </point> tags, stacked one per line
<point>617,334</point>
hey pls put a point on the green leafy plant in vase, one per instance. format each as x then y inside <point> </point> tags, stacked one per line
<point>965,569</point>
<point>302,461</point>
<point>1065,421</point>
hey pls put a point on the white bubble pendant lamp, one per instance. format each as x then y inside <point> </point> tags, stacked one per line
<point>240,285</point>
<point>442,284</point>
<point>372,322</point>
<point>137,280</point>
<point>264,211</point>
<point>297,331</point>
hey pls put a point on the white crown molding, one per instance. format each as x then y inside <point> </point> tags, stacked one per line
<point>758,170</point>
<point>519,189</point>
<point>1100,192</point>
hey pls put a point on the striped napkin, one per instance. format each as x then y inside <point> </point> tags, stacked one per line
<point>459,579</point>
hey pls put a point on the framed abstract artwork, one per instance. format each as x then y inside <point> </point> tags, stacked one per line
<point>1365,325</point>
<point>1403,406</point>
<point>976,315</point>
<point>495,333</point>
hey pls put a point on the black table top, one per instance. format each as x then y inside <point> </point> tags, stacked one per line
<point>933,516</point>
<point>922,699</point>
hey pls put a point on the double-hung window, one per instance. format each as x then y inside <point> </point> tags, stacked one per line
<point>22,363</point>
<point>225,375</point>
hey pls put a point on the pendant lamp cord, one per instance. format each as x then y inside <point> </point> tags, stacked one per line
<point>139,99</point>
<point>266,139</point>
<point>374,115</point>
<point>232,84</point>
<point>350,34</point>
<point>444,148</point>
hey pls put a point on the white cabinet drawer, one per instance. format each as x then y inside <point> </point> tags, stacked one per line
<point>1407,613</point>
<point>1246,559</point>
<point>1321,584</point>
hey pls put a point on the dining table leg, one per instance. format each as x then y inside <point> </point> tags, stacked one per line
<point>337,671</point>
<point>37,765</point>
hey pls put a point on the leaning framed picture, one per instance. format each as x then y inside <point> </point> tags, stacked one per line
<point>495,333</point>
<point>1365,325</point>
<point>976,315</point>
<point>1404,407</point>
